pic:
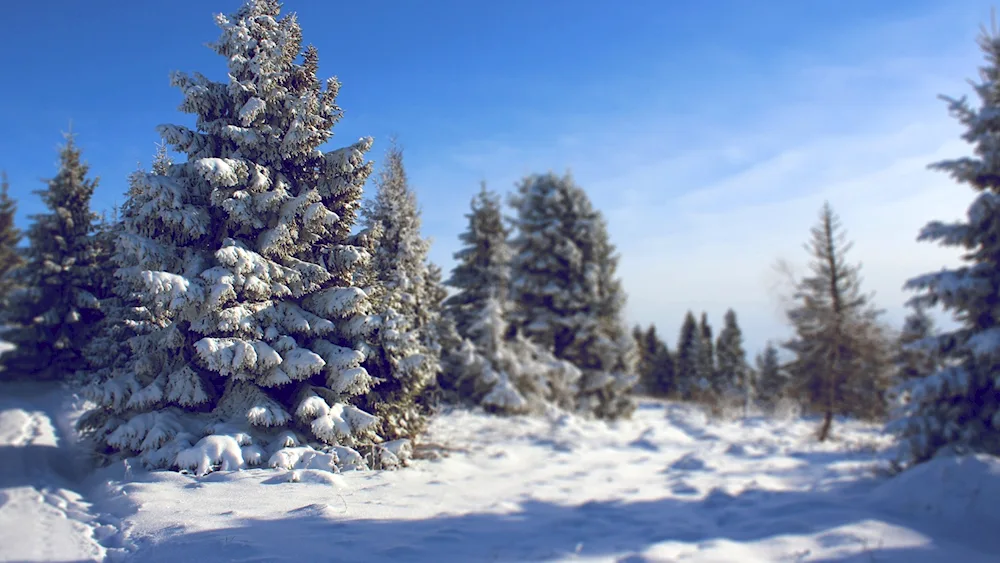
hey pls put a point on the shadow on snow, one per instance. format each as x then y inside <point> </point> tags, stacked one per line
<point>328,531</point>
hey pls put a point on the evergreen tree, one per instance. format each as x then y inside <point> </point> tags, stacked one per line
<point>689,358</point>
<point>249,334</point>
<point>405,359</point>
<point>639,337</point>
<point>443,339</point>
<point>706,360</point>
<point>483,263</point>
<point>498,368</point>
<point>957,408</point>
<point>837,367</point>
<point>55,310</point>
<point>566,294</point>
<point>663,371</point>
<point>732,371</point>
<point>10,237</point>
<point>915,360</point>
<point>771,380</point>
<point>109,353</point>
<point>657,365</point>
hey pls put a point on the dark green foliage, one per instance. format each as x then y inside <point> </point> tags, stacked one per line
<point>688,357</point>
<point>10,237</point>
<point>56,309</point>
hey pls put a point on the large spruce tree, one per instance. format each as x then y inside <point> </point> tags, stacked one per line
<point>56,308</point>
<point>567,296</point>
<point>957,408</point>
<point>838,350</point>
<point>250,333</point>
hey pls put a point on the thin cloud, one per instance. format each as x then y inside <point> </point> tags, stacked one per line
<point>700,219</point>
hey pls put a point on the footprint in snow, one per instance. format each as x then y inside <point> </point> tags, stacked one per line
<point>644,441</point>
<point>688,462</point>
<point>683,488</point>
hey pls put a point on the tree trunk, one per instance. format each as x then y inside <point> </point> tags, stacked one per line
<point>824,431</point>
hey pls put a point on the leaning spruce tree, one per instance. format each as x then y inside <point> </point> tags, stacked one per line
<point>566,294</point>
<point>404,359</point>
<point>57,304</point>
<point>241,262</point>
<point>838,349</point>
<point>957,408</point>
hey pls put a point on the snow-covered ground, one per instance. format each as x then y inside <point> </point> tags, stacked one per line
<point>669,485</point>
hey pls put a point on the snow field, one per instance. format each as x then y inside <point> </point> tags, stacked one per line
<point>668,485</point>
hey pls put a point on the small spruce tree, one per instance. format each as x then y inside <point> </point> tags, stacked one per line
<point>688,358</point>
<point>54,312</point>
<point>771,380</point>
<point>657,369</point>
<point>732,369</point>
<point>914,360</point>
<point>405,358</point>
<point>499,369</point>
<point>10,237</point>
<point>706,361</point>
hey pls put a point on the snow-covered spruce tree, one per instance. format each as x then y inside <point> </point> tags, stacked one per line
<point>566,294</point>
<point>109,355</point>
<point>251,333</point>
<point>498,368</point>
<point>731,361</point>
<point>838,348</point>
<point>442,336</point>
<point>483,263</point>
<point>771,380</point>
<point>656,365</point>
<point>618,354</point>
<point>706,362</point>
<point>10,237</point>
<point>688,358</point>
<point>957,408</point>
<point>663,372</point>
<point>56,307</point>
<point>915,360</point>
<point>403,359</point>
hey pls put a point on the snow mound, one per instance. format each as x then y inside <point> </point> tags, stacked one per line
<point>212,453</point>
<point>303,458</point>
<point>956,489</point>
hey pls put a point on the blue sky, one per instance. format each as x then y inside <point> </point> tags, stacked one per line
<point>708,132</point>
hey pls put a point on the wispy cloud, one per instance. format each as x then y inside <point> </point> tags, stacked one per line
<point>701,218</point>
